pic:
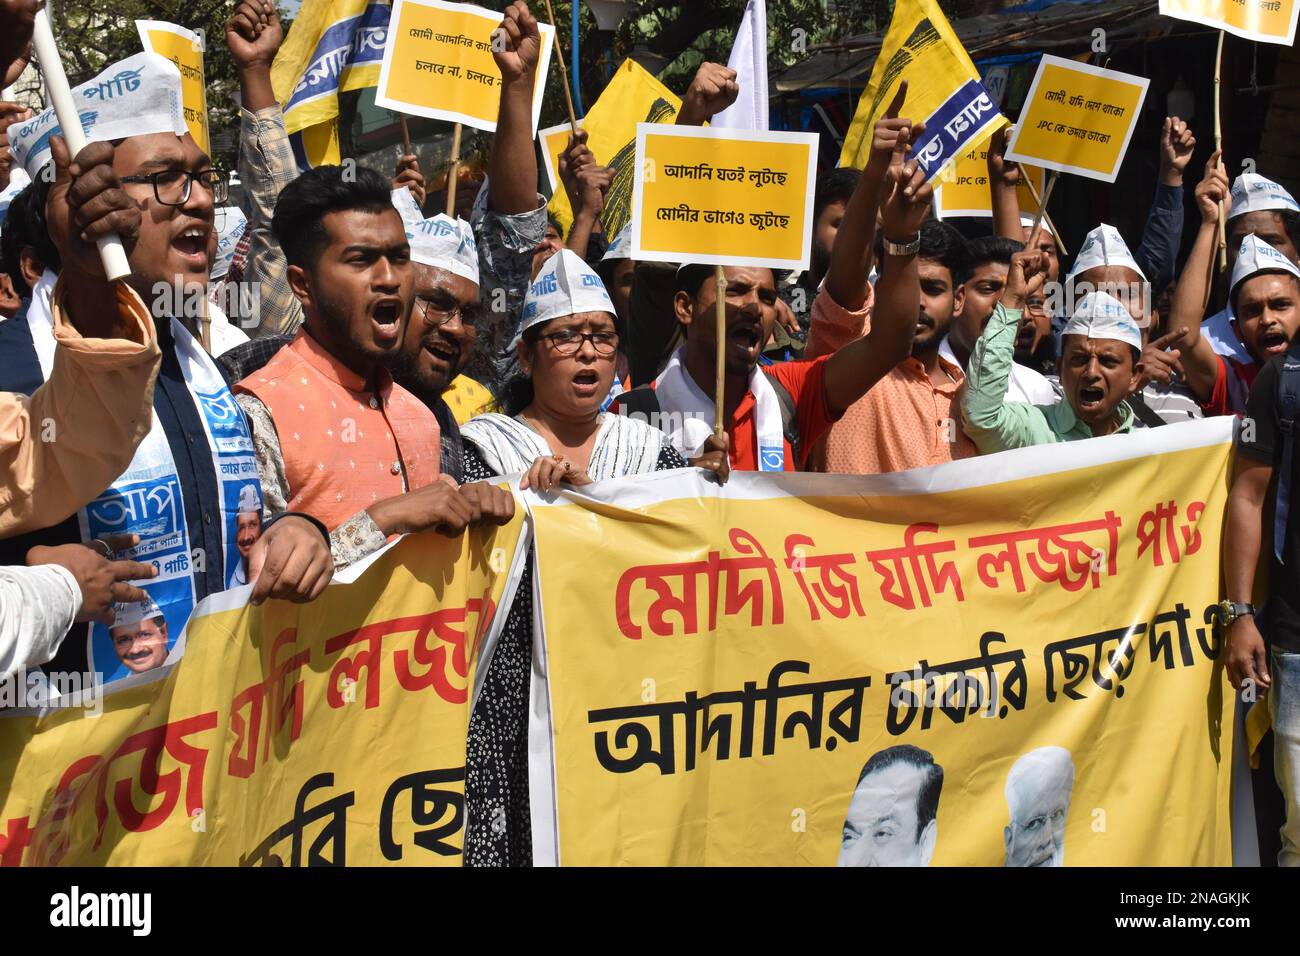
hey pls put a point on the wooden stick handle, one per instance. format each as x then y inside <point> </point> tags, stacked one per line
<point>719,391</point>
<point>1042,210</point>
<point>1218,145</point>
<point>453,171</point>
<point>406,134</point>
<point>1056,233</point>
<point>564,71</point>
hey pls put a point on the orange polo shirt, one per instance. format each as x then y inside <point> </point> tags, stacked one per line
<point>344,446</point>
<point>904,421</point>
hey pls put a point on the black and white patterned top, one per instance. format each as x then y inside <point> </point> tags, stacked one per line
<point>498,827</point>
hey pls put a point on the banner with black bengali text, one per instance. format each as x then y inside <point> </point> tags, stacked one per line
<point>1006,660</point>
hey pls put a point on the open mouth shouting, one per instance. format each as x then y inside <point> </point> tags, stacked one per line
<point>1273,341</point>
<point>386,320</point>
<point>1091,398</point>
<point>586,382</point>
<point>192,246</point>
<point>442,355</point>
<point>745,339</point>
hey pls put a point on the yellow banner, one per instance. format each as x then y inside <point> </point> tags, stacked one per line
<point>1077,118</point>
<point>438,63</point>
<point>184,48</point>
<point>920,47</point>
<point>963,186</point>
<point>1267,21</point>
<point>1000,661</point>
<point>318,734</point>
<point>704,195</point>
<point>633,96</point>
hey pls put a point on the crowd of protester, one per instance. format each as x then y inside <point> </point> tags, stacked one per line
<point>397,364</point>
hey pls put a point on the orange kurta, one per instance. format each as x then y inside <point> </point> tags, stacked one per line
<point>345,446</point>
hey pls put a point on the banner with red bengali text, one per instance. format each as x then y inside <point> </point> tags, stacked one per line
<point>330,733</point>
<point>1008,660</point>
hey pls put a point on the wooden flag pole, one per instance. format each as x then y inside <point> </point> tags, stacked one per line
<point>453,172</point>
<point>1042,210</point>
<point>406,134</point>
<point>564,71</point>
<point>1056,233</point>
<point>1218,146</point>
<point>111,253</point>
<point>720,290</point>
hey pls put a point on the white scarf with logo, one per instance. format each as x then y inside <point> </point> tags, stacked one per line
<point>688,413</point>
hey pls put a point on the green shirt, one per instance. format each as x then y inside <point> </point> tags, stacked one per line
<point>995,424</point>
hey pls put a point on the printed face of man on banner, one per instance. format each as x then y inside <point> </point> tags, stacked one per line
<point>891,819</point>
<point>1038,799</point>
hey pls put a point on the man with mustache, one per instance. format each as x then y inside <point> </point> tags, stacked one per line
<point>443,328</point>
<point>774,416</point>
<point>139,635</point>
<point>1264,298</point>
<point>1100,368</point>
<point>332,430</point>
<point>1038,804</point>
<point>909,418</point>
<point>981,281</point>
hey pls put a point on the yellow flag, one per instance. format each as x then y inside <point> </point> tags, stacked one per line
<point>632,96</point>
<point>943,88</point>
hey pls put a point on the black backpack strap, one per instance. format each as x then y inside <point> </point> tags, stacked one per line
<point>641,401</point>
<point>789,417</point>
<point>1147,415</point>
<point>1288,400</point>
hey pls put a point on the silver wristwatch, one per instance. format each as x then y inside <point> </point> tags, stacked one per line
<point>909,248</point>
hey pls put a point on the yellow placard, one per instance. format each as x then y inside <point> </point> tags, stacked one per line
<point>328,733</point>
<point>185,48</point>
<point>1077,118</point>
<point>993,641</point>
<point>962,189</point>
<point>438,63</point>
<point>723,197</point>
<point>1267,21</point>
<point>554,140</point>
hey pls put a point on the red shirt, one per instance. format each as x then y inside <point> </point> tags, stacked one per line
<point>1232,384</point>
<point>805,381</point>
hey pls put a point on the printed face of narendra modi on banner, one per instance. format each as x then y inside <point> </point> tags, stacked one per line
<point>1038,801</point>
<point>891,817</point>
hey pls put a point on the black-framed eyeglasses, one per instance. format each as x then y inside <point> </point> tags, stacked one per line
<point>569,341</point>
<point>436,316</point>
<point>171,187</point>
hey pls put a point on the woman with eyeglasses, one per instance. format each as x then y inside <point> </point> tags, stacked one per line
<point>553,431</point>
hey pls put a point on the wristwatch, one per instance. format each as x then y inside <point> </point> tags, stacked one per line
<point>909,248</point>
<point>1229,611</point>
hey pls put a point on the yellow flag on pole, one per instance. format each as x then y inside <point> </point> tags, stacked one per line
<point>632,96</point>
<point>943,88</point>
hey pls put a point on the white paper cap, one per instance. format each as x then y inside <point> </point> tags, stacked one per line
<point>1257,256</point>
<point>1027,222</point>
<point>445,243</point>
<point>1102,316</point>
<point>1104,246</point>
<point>1254,193</point>
<point>129,615</point>
<point>249,500</point>
<point>406,206</point>
<point>231,223</point>
<point>565,286</point>
<point>621,247</point>
<point>133,97</point>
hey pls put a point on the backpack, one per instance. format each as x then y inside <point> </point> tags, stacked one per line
<point>1288,400</point>
<point>644,401</point>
